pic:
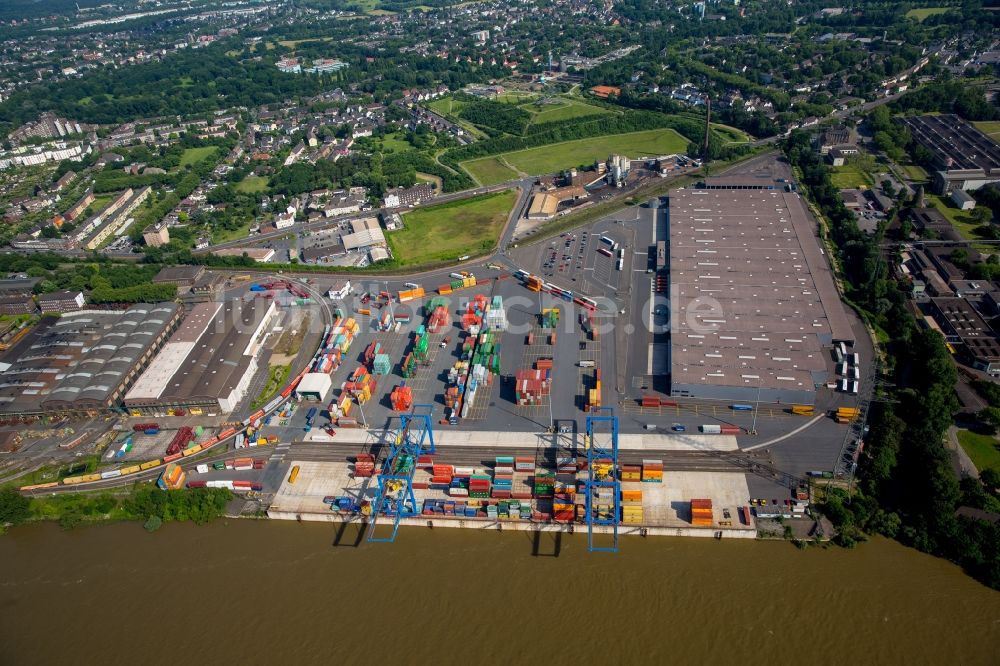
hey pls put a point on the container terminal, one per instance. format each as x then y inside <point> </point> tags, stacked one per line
<point>530,393</point>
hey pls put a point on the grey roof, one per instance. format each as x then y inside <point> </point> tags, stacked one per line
<point>109,358</point>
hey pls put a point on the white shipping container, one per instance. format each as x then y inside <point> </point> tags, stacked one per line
<point>111,474</point>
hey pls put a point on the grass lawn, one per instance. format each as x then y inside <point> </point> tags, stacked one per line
<point>914,172</point>
<point>446,105</point>
<point>395,143</point>
<point>451,230</point>
<point>489,170</point>
<point>990,127</point>
<point>99,203</point>
<point>730,134</point>
<point>962,220</point>
<point>850,177</point>
<point>557,156</point>
<point>252,184</point>
<point>277,374</point>
<point>225,235</point>
<point>195,155</point>
<point>921,13</point>
<point>565,110</point>
<point>983,449</point>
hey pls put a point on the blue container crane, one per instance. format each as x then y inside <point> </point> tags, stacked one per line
<point>395,498</point>
<point>604,451</point>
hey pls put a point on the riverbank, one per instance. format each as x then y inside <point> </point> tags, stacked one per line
<point>273,588</point>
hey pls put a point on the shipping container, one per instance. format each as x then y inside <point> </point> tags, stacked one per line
<point>710,429</point>
<point>741,408</point>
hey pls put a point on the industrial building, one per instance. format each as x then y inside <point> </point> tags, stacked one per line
<point>314,387</point>
<point>964,327</point>
<point>966,159</point>
<point>61,301</point>
<point>209,361</point>
<point>753,299</point>
<point>85,361</point>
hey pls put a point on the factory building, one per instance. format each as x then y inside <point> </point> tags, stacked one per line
<point>966,158</point>
<point>83,362</point>
<point>754,308</point>
<point>208,363</point>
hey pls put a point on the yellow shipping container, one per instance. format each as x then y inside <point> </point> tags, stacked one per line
<point>294,475</point>
<point>130,470</point>
<point>149,465</point>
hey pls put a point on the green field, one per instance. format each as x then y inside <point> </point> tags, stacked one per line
<point>516,97</point>
<point>252,184</point>
<point>850,177</point>
<point>564,110</point>
<point>451,230</point>
<point>990,127</point>
<point>445,105</point>
<point>195,155</point>
<point>557,156</point>
<point>923,12</point>
<point>983,449</point>
<point>489,170</point>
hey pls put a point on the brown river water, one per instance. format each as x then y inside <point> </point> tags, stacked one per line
<point>244,592</point>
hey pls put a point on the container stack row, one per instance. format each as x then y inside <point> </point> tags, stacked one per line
<point>701,512</point>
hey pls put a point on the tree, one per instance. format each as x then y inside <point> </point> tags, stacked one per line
<point>982,214</point>
<point>14,507</point>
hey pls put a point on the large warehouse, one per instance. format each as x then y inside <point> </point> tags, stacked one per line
<point>753,299</point>
<point>83,362</point>
<point>208,363</point>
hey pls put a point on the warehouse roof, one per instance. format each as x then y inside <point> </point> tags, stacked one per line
<point>154,380</point>
<point>220,356</point>
<point>754,301</point>
<point>955,144</point>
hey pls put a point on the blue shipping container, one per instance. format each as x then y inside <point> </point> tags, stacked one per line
<point>741,408</point>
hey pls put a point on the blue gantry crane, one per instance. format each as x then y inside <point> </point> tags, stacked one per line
<point>395,498</point>
<point>602,475</point>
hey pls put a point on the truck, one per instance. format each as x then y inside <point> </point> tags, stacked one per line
<point>456,276</point>
<point>586,364</point>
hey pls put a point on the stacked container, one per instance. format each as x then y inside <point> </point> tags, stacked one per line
<point>364,465</point>
<point>438,320</point>
<point>401,398</point>
<point>701,512</point>
<point>496,317</point>
<point>171,478</point>
<point>652,471</point>
<point>382,365</point>
<point>550,317</point>
<point>479,486</point>
<point>544,483</point>
<point>361,385</point>
<point>631,472</point>
<point>631,507</point>
<point>531,386</point>
<point>503,477</point>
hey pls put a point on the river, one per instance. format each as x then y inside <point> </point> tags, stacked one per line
<point>246,592</point>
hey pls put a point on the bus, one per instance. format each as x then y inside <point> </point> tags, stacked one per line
<point>606,252</point>
<point>619,264</point>
<point>611,243</point>
<point>621,259</point>
<point>586,302</point>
